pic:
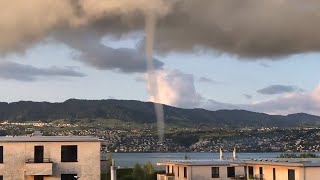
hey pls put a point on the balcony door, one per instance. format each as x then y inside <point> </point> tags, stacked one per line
<point>38,154</point>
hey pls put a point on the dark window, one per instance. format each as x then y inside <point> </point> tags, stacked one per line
<point>69,153</point>
<point>231,172</point>
<point>274,173</point>
<point>1,177</point>
<point>261,173</point>
<point>38,178</point>
<point>168,169</point>
<point>185,172</point>
<point>291,174</point>
<point>178,172</point>
<point>38,154</point>
<point>250,169</point>
<point>215,172</point>
<point>172,169</point>
<point>68,176</point>
<point>1,154</point>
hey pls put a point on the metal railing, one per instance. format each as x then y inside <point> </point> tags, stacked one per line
<point>259,177</point>
<point>44,160</point>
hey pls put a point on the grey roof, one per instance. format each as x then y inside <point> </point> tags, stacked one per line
<point>303,162</point>
<point>204,162</point>
<point>49,139</point>
<point>293,162</point>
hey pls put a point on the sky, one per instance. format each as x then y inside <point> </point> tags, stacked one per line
<point>206,59</point>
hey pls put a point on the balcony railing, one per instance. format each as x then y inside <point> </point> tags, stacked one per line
<point>165,177</point>
<point>44,160</point>
<point>259,177</point>
<point>34,167</point>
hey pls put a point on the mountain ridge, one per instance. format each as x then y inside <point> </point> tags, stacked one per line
<point>143,112</point>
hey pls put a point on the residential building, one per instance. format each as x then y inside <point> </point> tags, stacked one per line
<point>49,158</point>
<point>268,169</point>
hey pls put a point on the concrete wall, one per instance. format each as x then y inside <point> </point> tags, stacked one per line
<point>15,154</point>
<point>311,173</point>
<point>202,172</point>
<point>281,172</point>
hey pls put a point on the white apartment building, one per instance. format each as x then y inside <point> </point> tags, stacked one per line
<point>49,158</point>
<point>271,169</point>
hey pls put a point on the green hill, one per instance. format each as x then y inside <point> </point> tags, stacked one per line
<point>143,112</point>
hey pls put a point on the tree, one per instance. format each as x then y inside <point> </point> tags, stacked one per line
<point>149,171</point>
<point>138,172</point>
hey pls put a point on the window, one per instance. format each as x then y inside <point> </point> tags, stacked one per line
<point>172,169</point>
<point>250,169</point>
<point>38,178</point>
<point>291,174</point>
<point>38,154</point>
<point>274,173</point>
<point>261,173</point>
<point>1,177</point>
<point>185,172</point>
<point>69,153</point>
<point>1,154</point>
<point>178,171</point>
<point>68,176</point>
<point>168,169</point>
<point>215,172</point>
<point>231,172</point>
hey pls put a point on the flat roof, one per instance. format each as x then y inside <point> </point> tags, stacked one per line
<point>49,139</point>
<point>203,162</point>
<point>293,162</point>
<point>303,162</point>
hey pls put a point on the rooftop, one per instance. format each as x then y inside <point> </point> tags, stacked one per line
<point>303,162</point>
<point>49,139</point>
<point>204,162</point>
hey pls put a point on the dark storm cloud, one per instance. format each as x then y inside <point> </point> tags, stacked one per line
<point>249,29</point>
<point>278,89</point>
<point>21,72</point>
<point>91,51</point>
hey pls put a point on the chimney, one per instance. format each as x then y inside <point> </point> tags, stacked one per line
<point>113,170</point>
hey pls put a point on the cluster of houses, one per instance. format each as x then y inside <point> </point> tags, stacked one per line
<point>40,157</point>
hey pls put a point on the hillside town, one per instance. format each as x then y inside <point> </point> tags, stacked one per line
<point>145,140</point>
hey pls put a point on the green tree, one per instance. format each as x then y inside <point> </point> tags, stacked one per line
<point>149,171</point>
<point>138,172</point>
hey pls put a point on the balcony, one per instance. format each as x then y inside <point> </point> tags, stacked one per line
<point>165,177</point>
<point>43,168</point>
<point>259,177</point>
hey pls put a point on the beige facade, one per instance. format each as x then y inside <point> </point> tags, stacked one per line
<point>19,158</point>
<point>202,170</point>
<point>279,169</point>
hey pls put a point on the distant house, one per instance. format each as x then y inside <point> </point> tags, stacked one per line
<point>49,158</point>
<point>277,169</point>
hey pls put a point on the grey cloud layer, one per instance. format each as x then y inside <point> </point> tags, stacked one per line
<point>246,28</point>
<point>207,80</point>
<point>92,52</point>
<point>21,72</point>
<point>278,89</point>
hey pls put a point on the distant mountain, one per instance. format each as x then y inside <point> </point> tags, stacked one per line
<point>143,112</point>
